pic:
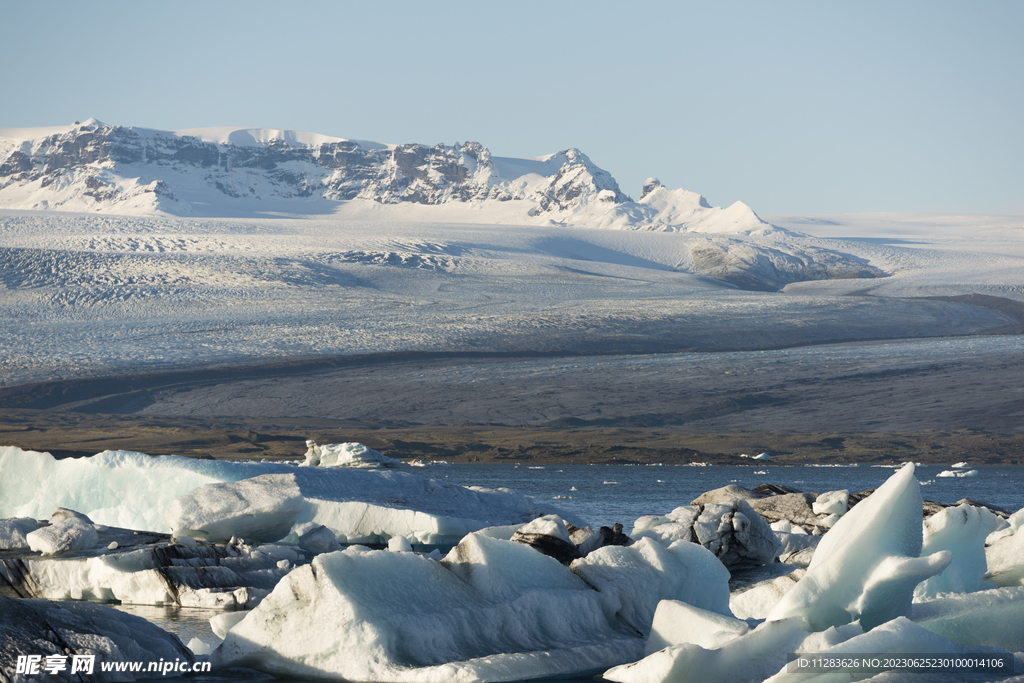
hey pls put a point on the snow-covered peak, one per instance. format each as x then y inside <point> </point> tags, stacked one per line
<point>234,171</point>
<point>650,185</point>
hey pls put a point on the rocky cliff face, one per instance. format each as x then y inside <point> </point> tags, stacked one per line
<point>106,165</point>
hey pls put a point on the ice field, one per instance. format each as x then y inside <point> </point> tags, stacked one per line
<point>87,295</point>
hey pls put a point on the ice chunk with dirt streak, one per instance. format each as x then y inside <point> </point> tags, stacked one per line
<point>867,566</point>
<point>492,610</point>
<point>732,530</point>
<point>962,531</point>
<point>1005,560</point>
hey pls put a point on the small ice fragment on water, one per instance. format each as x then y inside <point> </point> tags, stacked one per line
<point>222,623</point>
<point>198,647</point>
<point>112,546</point>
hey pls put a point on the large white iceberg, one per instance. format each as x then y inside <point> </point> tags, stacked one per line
<point>493,610</point>
<point>135,491</point>
<point>867,566</point>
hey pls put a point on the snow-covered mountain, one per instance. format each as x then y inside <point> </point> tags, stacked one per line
<point>96,167</point>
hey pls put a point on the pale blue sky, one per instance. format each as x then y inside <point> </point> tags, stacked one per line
<point>790,107</point>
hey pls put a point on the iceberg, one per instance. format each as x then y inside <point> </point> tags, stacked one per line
<point>867,566</point>
<point>135,491</point>
<point>954,473</point>
<point>1005,557</point>
<point>346,455</point>
<point>757,600</point>
<point>492,610</point>
<point>677,623</point>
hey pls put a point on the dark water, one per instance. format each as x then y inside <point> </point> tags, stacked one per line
<point>605,494</point>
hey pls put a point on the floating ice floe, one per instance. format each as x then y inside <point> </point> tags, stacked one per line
<point>961,464</point>
<point>953,473</point>
<point>136,491</point>
<point>346,455</point>
<point>855,597</point>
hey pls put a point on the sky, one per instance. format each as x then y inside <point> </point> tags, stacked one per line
<point>789,107</point>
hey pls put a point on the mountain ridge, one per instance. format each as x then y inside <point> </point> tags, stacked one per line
<point>96,167</point>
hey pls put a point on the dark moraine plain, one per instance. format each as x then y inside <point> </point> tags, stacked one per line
<point>934,401</point>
